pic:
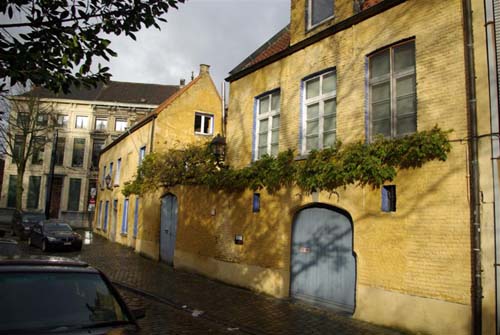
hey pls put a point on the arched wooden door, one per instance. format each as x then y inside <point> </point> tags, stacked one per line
<point>323,266</point>
<point>168,228</point>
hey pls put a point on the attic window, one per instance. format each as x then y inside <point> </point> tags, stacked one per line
<point>319,11</point>
<point>203,124</point>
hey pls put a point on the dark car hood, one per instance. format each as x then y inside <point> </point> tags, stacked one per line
<point>124,330</point>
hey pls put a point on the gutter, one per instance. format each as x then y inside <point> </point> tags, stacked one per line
<point>495,145</point>
<point>475,206</point>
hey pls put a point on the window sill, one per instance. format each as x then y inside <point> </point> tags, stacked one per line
<point>203,134</point>
<point>124,234</point>
<point>116,185</point>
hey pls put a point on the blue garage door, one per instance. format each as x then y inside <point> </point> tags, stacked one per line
<point>323,266</point>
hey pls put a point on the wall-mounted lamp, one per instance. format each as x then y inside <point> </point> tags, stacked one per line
<point>218,147</point>
<point>107,180</point>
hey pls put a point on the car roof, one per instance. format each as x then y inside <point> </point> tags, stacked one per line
<point>43,263</point>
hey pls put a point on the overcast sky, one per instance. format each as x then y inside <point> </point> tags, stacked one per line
<point>220,33</point>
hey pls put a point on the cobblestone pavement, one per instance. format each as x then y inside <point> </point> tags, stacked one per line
<point>179,302</point>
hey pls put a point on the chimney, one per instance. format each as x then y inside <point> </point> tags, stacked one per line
<point>182,82</point>
<point>204,68</point>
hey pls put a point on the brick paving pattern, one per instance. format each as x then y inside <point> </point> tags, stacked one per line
<point>171,296</point>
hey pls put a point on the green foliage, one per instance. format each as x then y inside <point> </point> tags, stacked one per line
<point>44,42</point>
<point>357,163</point>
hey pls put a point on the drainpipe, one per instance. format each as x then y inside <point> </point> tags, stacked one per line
<point>495,145</point>
<point>152,135</point>
<point>474,169</point>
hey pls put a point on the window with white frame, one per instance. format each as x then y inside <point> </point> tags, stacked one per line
<point>82,122</point>
<point>118,171</point>
<point>120,125</point>
<point>62,121</point>
<point>319,11</point>
<point>203,124</point>
<point>319,126</point>
<point>125,217</point>
<point>267,125</point>
<point>393,98</point>
<point>101,124</point>
<point>142,154</point>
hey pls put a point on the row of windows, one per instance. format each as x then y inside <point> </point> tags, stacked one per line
<point>33,199</point>
<point>103,213</point>
<point>115,180</point>
<point>77,158</point>
<point>392,104</point>
<point>81,122</point>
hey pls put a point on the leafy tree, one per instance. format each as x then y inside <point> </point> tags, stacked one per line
<point>53,43</point>
<point>25,134</point>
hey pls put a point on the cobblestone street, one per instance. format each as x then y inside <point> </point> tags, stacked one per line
<point>179,302</point>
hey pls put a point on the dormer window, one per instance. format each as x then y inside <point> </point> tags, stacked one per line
<point>319,11</point>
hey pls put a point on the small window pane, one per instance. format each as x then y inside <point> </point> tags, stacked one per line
<point>275,137</point>
<point>321,10</point>
<point>330,107</point>
<point>276,122</point>
<point>379,64</point>
<point>262,151</point>
<point>263,125</point>
<point>329,123</point>
<point>404,57</point>
<point>101,124</point>
<point>405,86</point>
<point>312,88</point>
<point>406,106</point>
<point>311,142</point>
<point>382,127</point>
<point>312,111</point>
<point>263,139</point>
<point>197,123</point>
<point>312,127</point>
<point>381,111</point>
<point>62,121</point>
<point>275,102</point>
<point>406,124</point>
<point>274,150</point>
<point>381,92</point>
<point>120,125</point>
<point>207,125</point>
<point>329,83</point>
<point>82,122</point>
<point>329,139</point>
<point>264,106</point>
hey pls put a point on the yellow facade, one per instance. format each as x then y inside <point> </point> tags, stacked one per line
<point>413,266</point>
<point>170,126</point>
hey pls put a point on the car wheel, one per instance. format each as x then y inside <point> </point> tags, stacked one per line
<point>44,246</point>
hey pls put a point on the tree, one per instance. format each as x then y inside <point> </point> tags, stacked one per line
<point>25,134</point>
<point>54,43</point>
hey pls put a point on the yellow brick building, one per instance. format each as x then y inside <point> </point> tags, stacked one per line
<point>191,115</point>
<point>327,76</point>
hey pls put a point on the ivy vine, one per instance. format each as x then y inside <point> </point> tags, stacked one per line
<point>357,163</point>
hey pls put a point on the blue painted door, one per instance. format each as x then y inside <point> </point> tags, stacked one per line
<point>168,228</point>
<point>323,266</point>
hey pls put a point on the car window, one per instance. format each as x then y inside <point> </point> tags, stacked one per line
<point>47,301</point>
<point>57,227</point>
<point>33,217</point>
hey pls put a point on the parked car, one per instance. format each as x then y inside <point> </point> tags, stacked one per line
<point>54,295</point>
<point>22,222</point>
<point>8,247</point>
<point>54,235</point>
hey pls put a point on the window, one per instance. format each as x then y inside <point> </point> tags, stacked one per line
<point>17,155</point>
<point>104,176</point>
<point>389,198</point>
<point>111,169</point>
<point>136,216</point>
<point>319,127</point>
<point>120,125</point>
<point>203,124</point>
<point>393,98</point>
<point>142,154</point>
<point>33,192</point>
<point>11,196</point>
<point>38,150</point>
<point>78,152</point>
<point>82,122</point>
<point>118,170</point>
<point>106,210</point>
<point>319,11</point>
<point>267,125</point>
<point>74,194</point>
<point>125,217</point>
<point>62,121</point>
<point>42,120</point>
<point>23,120</point>
<point>61,143</point>
<point>101,124</point>
<point>96,150</point>
<point>99,215</point>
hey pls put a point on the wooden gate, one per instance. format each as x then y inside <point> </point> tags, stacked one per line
<point>323,266</point>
